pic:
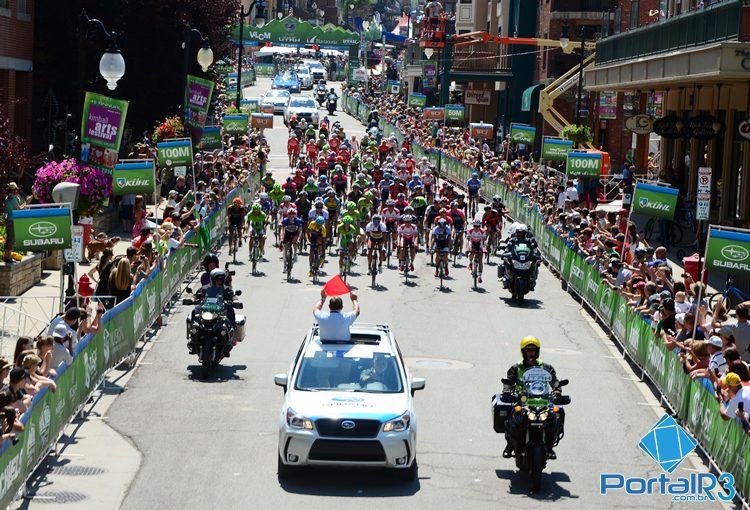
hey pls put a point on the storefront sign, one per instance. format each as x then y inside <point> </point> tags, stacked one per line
<point>454,112</point>
<point>417,99</point>
<point>433,114</point>
<point>728,251</point>
<point>261,120</point>
<point>640,124</point>
<point>134,176</point>
<point>101,129</point>
<point>480,131</point>
<point>744,129</point>
<point>703,202</point>
<point>522,133</point>
<point>175,153</point>
<point>42,228</point>
<point>657,201</point>
<point>236,123</point>
<point>477,97</point>
<point>704,127</point>
<point>556,149</point>
<point>583,164</point>
<point>211,139</point>
<point>608,105</point>
<point>670,126</point>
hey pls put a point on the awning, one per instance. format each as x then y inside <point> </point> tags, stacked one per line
<point>529,99</point>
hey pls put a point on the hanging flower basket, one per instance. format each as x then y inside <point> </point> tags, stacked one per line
<point>96,186</point>
<point>171,127</point>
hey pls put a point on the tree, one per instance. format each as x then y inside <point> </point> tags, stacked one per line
<point>17,163</point>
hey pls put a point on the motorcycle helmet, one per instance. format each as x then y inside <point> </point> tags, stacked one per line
<point>218,276</point>
<point>530,342</point>
<point>210,258</point>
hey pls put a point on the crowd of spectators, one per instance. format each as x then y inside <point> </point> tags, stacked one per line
<point>711,345</point>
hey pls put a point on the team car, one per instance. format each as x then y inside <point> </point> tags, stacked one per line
<point>277,98</point>
<point>349,404</point>
<point>303,107</point>
<point>287,80</point>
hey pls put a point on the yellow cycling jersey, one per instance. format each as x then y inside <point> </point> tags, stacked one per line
<point>315,228</point>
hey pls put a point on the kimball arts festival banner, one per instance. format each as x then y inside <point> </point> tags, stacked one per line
<point>101,130</point>
<point>197,100</point>
<point>133,177</point>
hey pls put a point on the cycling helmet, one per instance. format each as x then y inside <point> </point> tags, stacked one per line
<point>320,220</point>
<point>310,180</point>
<point>289,179</point>
<point>292,212</point>
<point>474,174</point>
<point>442,222</point>
<point>323,178</point>
<point>216,275</point>
<point>454,204</point>
<point>401,196</point>
<point>408,209</point>
<point>237,201</point>
<point>376,217</point>
<point>530,342</point>
<point>255,208</point>
<point>407,218</point>
<point>496,198</point>
<point>368,194</point>
<point>268,172</point>
<point>302,194</point>
<point>348,220</point>
<point>330,191</point>
<point>390,202</point>
<point>351,206</point>
<point>318,204</point>
<point>487,208</point>
<point>477,223</point>
<point>264,196</point>
<point>286,198</point>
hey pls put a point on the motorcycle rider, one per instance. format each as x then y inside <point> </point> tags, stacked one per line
<point>331,98</point>
<point>514,426</point>
<point>217,290</point>
<point>320,92</point>
<point>519,234</point>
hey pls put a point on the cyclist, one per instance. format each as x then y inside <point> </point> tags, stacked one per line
<point>339,181</point>
<point>407,235</point>
<point>333,205</point>
<point>347,232</point>
<point>441,238</point>
<point>475,238</point>
<point>473,185</point>
<point>289,187</point>
<point>458,220</point>
<point>292,148</point>
<point>255,222</point>
<point>430,216</point>
<point>311,148</point>
<point>276,195</point>
<point>236,215</point>
<point>401,202</point>
<point>364,206</point>
<point>316,236</point>
<point>390,216</point>
<point>375,231</point>
<point>493,222</point>
<point>429,179</point>
<point>311,188</point>
<point>292,226</point>
<point>414,182</point>
<point>265,203</point>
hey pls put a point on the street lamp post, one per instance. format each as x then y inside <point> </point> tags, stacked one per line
<point>260,20</point>
<point>564,41</point>
<point>205,55</point>
<point>111,65</point>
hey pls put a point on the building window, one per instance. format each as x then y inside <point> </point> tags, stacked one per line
<point>634,14</point>
<point>618,21</point>
<point>22,7</point>
<point>5,6</point>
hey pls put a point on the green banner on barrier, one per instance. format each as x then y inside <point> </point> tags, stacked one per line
<point>583,164</point>
<point>211,139</point>
<point>42,228</point>
<point>728,250</point>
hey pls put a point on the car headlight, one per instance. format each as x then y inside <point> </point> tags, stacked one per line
<point>398,424</point>
<point>297,421</point>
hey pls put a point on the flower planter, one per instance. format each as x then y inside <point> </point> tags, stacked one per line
<point>15,279</point>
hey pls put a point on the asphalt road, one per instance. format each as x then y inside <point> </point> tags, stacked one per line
<point>212,444</point>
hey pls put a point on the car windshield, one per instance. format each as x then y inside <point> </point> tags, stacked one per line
<point>278,93</point>
<point>350,369</point>
<point>302,102</point>
<point>288,77</point>
<point>303,71</point>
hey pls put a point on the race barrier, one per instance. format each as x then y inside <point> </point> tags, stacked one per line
<point>95,355</point>
<point>692,401</point>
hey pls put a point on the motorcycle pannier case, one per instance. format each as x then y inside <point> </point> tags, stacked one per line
<point>500,413</point>
<point>240,321</point>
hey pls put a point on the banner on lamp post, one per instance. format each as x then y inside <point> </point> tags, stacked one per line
<point>175,153</point>
<point>652,200</point>
<point>101,129</point>
<point>197,100</point>
<point>728,250</point>
<point>261,120</point>
<point>556,149</point>
<point>42,228</point>
<point>211,139</point>
<point>418,100</point>
<point>583,164</point>
<point>134,176</point>
<point>433,114</point>
<point>236,123</point>
<point>454,112</point>
<point>394,87</point>
<point>522,133</point>
<point>251,105</point>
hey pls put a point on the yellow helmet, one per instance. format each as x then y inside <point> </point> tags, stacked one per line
<point>530,341</point>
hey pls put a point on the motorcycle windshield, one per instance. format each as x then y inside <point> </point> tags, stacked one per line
<point>522,252</point>
<point>212,304</point>
<point>536,383</point>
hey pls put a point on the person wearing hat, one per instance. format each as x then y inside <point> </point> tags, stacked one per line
<point>71,320</point>
<point>13,202</point>
<point>734,393</point>
<point>60,352</point>
<point>740,329</point>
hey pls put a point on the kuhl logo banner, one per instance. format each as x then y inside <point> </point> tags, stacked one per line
<point>131,177</point>
<point>657,201</point>
<point>728,251</point>
<point>42,229</point>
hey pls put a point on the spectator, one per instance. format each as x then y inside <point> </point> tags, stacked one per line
<point>44,347</point>
<point>23,344</point>
<point>734,393</point>
<point>740,329</point>
<point>5,367</point>
<point>121,281</point>
<point>13,202</point>
<point>72,320</point>
<point>334,325</point>
<point>32,364</point>
<point>61,352</point>
<point>100,272</point>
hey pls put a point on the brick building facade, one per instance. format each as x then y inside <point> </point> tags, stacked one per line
<point>16,62</point>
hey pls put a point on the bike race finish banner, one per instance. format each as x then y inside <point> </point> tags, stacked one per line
<point>197,100</point>
<point>418,100</point>
<point>652,200</point>
<point>236,123</point>
<point>522,133</point>
<point>42,228</point>
<point>101,130</point>
<point>696,407</point>
<point>176,154</point>
<point>454,112</point>
<point>211,139</point>
<point>583,164</point>
<point>292,32</point>
<point>556,149</point>
<point>122,327</point>
<point>133,177</point>
<point>728,250</point>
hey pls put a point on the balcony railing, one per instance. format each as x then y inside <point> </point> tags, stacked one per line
<point>719,22</point>
<point>488,57</point>
<point>581,5</point>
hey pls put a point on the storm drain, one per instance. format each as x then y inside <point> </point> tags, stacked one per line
<point>58,497</point>
<point>77,470</point>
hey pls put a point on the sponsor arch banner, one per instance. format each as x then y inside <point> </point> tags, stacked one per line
<point>652,200</point>
<point>728,250</point>
<point>43,228</point>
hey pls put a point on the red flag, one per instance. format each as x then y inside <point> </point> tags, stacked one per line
<point>335,287</point>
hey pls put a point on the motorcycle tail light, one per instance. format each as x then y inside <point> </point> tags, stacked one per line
<point>555,409</point>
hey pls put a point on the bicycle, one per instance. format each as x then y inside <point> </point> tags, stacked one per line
<point>388,249</point>
<point>234,234</point>
<point>255,252</point>
<point>374,265</point>
<point>442,263</point>
<point>491,244</point>
<point>345,264</point>
<point>288,260</point>
<point>475,257</point>
<point>732,295</point>
<point>314,262</point>
<point>456,248</point>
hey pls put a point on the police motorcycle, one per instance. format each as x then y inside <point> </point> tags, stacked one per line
<point>537,416</point>
<point>519,264</point>
<point>213,329</point>
<point>321,93</point>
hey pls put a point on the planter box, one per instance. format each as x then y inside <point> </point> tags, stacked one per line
<point>15,279</point>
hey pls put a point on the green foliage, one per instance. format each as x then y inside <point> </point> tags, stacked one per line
<point>578,134</point>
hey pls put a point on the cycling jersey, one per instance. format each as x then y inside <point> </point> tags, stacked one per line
<point>268,182</point>
<point>317,232</point>
<point>473,186</point>
<point>442,237</point>
<point>390,214</point>
<point>491,219</point>
<point>332,203</point>
<point>376,233</point>
<point>276,195</point>
<point>363,205</point>
<point>236,215</point>
<point>265,206</point>
<point>476,238</point>
<point>408,232</point>
<point>458,217</point>
<point>285,208</point>
<point>347,233</point>
<point>291,227</point>
<point>257,221</point>
<point>292,145</point>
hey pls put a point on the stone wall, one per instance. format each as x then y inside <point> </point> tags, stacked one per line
<point>15,279</point>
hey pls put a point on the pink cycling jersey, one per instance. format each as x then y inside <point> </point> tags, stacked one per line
<point>407,231</point>
<point>476,236</point>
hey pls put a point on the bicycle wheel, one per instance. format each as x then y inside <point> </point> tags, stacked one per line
<point>374,268</point>
<point>288,262</point>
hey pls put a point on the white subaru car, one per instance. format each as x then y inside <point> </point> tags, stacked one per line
<point>304,107</point>
<point>349,404</point>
